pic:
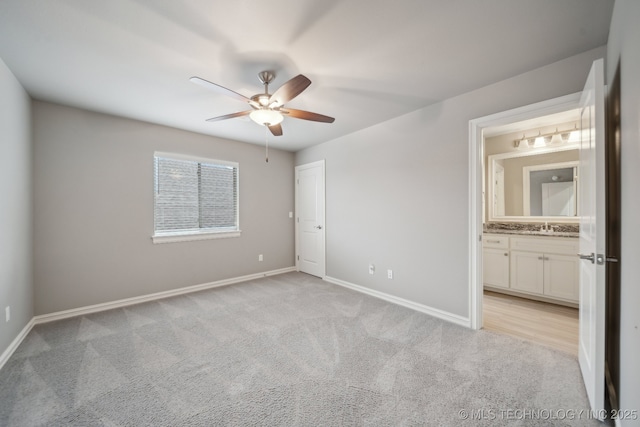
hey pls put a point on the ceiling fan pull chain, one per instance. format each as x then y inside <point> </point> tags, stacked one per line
<point>266,143</point>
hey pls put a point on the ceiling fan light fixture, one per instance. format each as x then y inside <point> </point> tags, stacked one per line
<point>266,117</point>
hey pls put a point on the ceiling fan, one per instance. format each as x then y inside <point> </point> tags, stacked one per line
<point>268,109</point>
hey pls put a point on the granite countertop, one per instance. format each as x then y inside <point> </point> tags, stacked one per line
<point>532,229</point>
<point>574,235</point>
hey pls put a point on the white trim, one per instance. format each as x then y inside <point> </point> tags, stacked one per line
<point>552,106</point>
<point>190,158</point>
<point>81,311</point>
<point>440,314</point>
<point>476,154</point>
<point>16,342</point>
<point>191,236</point>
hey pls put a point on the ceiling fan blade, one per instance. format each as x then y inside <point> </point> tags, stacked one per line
<point>307,115</point>
<point>276,130</point>
<point>289,90</point>
<point>217,88</point>
<point>229,116</point>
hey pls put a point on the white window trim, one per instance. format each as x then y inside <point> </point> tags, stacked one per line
<point>188,236</point>
<point>204,234</point>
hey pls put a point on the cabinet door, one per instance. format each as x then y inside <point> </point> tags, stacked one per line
<point>527,271</point>
<point>495,267</point>
<point>561,276</point>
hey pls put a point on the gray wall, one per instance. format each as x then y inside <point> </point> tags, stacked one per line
<point>93,185</point>
<point>16,283</point>
<point>624,46</point>
<point>398,192</point>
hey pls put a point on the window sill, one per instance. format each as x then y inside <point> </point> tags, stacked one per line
<point>199,235</point>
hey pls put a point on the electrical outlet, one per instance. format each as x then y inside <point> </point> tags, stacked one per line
<point>260,258</point>
<point>7,312</point>
<point>372,268</point>
<point>290,214</point>
<point>389,274</point>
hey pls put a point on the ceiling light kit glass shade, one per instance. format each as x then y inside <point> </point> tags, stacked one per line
<point>266,117</point>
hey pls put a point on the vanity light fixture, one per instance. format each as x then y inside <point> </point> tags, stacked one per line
<point>550,139</point>
<point>522,144</point>
<point>525,143</point>
<point>556,139</point>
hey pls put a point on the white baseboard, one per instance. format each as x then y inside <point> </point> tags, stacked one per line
<point>16,342</point>
<point>44,318</point>
<point>440,314</point>
<point>81,311</point>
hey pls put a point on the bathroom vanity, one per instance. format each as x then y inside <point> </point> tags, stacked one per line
<point>531,227</point>
<point>537,265</point>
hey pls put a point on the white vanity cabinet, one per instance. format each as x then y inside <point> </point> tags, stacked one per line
<point>561,276</point>
<point>527,272</point>
<point>545,265</point>
<point>495,260</point>
<point>537,266</point>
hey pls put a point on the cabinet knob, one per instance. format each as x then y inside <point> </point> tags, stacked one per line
<point>506,254</point>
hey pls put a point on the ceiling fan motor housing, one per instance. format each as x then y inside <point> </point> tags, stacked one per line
<point>266,77</point>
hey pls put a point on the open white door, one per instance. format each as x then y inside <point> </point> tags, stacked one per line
<point>591,202</point>
<point>310,233</point>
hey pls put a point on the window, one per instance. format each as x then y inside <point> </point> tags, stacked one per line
<point>194,198</point>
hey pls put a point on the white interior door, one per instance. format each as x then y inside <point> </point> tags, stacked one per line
<point>592,236</point>
<point>310,220</point>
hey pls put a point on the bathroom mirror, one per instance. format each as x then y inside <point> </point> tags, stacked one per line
<point>533,186</point>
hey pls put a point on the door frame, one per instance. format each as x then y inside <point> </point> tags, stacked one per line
<point>297,169</point>
<point>476,174</point>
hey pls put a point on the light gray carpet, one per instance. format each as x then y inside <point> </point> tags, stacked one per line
<point>287,350</point>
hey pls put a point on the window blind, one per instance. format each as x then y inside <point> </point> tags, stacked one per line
<point>194,196</point>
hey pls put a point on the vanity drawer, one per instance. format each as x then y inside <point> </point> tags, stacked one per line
<point>497,241</point>
<point>554,245</point>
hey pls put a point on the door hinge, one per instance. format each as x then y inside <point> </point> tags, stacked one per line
<point>298,257</point>
<point>480,238</point>
<point>601,259</point>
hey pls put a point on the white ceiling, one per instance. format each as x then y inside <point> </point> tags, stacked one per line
<point>369,60</point>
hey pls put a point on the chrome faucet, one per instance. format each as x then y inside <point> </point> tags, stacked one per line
<point>546,228</point>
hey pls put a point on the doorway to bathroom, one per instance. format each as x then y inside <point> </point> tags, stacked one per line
<point>530,273</point>
<point>545,267</point>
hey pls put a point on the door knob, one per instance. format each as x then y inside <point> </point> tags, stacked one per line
<point>319,227</point>
<point>591,257</point>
